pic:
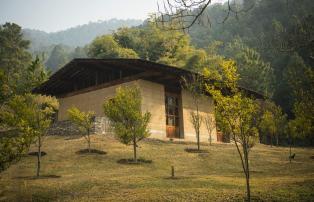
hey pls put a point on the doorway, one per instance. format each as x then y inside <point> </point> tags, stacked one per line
<point>172,115</point>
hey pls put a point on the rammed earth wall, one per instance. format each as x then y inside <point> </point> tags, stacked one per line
<point>153,101</point>
<point>206,106</point>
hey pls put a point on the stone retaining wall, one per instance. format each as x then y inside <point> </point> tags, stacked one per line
<point>63,128</point>
<point>66,127</point>
<point>102,125</point>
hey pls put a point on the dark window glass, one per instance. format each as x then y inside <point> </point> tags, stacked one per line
<point>171,121</point>
<point>177,121</point>
<point>171,101</point>
<point>171,111</point>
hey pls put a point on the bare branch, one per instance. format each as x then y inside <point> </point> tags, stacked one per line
<point>183,14</point>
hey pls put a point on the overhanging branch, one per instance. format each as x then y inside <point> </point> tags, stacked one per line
<point>183,14</point>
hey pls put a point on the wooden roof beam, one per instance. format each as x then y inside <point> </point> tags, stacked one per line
<point>112,83</point>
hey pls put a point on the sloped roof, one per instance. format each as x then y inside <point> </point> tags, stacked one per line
<point>88,69</point>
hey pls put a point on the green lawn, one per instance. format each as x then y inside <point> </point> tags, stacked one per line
<point>216,176</point>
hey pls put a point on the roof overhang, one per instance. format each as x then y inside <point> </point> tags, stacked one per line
<point>83,75</point>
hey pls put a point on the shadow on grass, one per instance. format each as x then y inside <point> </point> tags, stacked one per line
<point>2,195</point>
<point>132,162</point>
<point>92,151</point>
<point>35,177</point>
<point>193,150</point>
<point>36,153</point>
<point>251,171</point>
<point>74,137</point>
<point>177,178</point>
<point>172,141</point>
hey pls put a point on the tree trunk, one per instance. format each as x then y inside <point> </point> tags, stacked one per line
<point>247,176</point>
<point>198,127</point>
<point>134,148</point>
<point>290,150</point>
<point>271,141</point>
<point>88,141</point>
<point>38,156</point>
<point>172,171</point>
<point>277,139</point>
<point>245,166</point>
<point>210,138</point>
<point>264,139</point>
<point>88,145</point>
<point>198,140</point>
<point>248,190</point>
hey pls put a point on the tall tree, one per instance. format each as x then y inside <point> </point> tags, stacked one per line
<point>154,44</point>
<point>14,58</point>
<point>79,52</point>
<point>106,47</point>
<point>301,80</point>
<point>254,73</point>
<point>57,58</point>
<point>197,61</point>
<point>237,111</point>
<point>268,126</point>
<point>34,75</point>
<point>18,76</point>
<point>272,122</point>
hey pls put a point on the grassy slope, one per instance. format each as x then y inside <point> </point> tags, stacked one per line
<point>216,176</point>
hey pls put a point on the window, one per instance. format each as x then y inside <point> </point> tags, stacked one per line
<point>172,111</point>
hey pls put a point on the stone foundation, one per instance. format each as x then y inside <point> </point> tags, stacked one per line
<point>63,128</point>
<point>102,125</point>
<point>66,127</point>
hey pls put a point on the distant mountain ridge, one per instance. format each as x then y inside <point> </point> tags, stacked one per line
<point>75,36</point>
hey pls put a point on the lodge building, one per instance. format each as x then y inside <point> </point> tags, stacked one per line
<point>87,83</point>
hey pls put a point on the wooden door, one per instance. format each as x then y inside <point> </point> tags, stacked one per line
<point>219,137</point>
<point>172,116</point>
<point>171,131</point>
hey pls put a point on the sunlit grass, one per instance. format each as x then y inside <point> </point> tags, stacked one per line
<point>216,176</point>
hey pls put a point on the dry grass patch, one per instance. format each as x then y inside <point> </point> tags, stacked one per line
<point>216,176</point>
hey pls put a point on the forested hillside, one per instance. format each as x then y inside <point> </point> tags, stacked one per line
<point>279,32</point>
<point>76,36</point>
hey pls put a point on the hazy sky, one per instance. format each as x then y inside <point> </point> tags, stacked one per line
<point>55,15</point>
